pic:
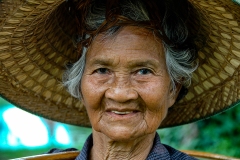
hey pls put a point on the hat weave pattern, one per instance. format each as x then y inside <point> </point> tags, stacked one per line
<point>36,44</point>
<point>216,83</point>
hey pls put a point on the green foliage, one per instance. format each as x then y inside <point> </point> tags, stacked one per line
<point>13,153</point>
<point>3,102</point>
<point>218,134</point>
<point>221,133</point>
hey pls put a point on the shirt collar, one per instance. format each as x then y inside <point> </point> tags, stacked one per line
<point>85,152</point>
<point>158,151</point>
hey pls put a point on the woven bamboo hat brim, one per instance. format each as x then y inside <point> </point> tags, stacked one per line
<point>36,43</point>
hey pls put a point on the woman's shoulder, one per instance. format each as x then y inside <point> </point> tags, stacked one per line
<point>176,154</point>
<point>165,152</point>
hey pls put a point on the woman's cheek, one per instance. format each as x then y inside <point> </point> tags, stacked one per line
<point>92,91</point>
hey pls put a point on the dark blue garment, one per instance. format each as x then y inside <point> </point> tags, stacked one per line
<point>159,151</point>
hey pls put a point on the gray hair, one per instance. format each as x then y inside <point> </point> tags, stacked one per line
<point>180,62</point>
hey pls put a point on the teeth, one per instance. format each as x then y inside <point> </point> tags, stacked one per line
<point>117,112</point>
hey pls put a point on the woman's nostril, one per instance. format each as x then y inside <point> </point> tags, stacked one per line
<point>121,94</point>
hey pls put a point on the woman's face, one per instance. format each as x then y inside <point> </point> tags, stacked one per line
<point>125,86</point>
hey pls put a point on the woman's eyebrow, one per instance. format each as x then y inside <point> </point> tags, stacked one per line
<point>101,61</point>
<point>140,63</point>
<point>134,63</point>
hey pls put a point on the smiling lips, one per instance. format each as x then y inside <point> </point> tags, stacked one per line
<point>122,113</point>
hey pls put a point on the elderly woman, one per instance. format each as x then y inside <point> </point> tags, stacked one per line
<point>134,61</point>
<point>129,75</point>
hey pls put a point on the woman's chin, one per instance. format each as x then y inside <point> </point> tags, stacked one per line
<point>122,133</point>
<point>123,128</point>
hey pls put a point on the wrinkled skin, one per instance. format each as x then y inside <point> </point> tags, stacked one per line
<point>127,91</point>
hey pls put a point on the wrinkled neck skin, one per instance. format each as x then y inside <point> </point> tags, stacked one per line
<point>105,148</point>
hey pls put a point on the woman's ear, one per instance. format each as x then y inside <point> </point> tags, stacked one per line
<point>177,90</point>
<point>174,93</point>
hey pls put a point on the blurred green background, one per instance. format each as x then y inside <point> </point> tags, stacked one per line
<point>219,134</point>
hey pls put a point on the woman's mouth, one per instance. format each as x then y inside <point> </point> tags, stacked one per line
<point>116,114</point>
<point>122,113</point>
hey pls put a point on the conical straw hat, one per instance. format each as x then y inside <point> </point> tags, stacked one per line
<point>36,44</point>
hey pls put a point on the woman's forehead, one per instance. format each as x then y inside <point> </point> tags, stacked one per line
<point>129,48</point>
<point>129,38</point>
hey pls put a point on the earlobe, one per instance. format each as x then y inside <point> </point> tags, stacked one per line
<point>178,89</point>
<point>174,93</point>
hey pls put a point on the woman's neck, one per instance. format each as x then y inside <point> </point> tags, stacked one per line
<point>105,148</point>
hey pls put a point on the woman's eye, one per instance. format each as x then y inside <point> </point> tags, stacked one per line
<point>144,71</point>
<point>102,71</point>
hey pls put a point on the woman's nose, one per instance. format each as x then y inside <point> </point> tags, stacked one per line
<point>121,92</point>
